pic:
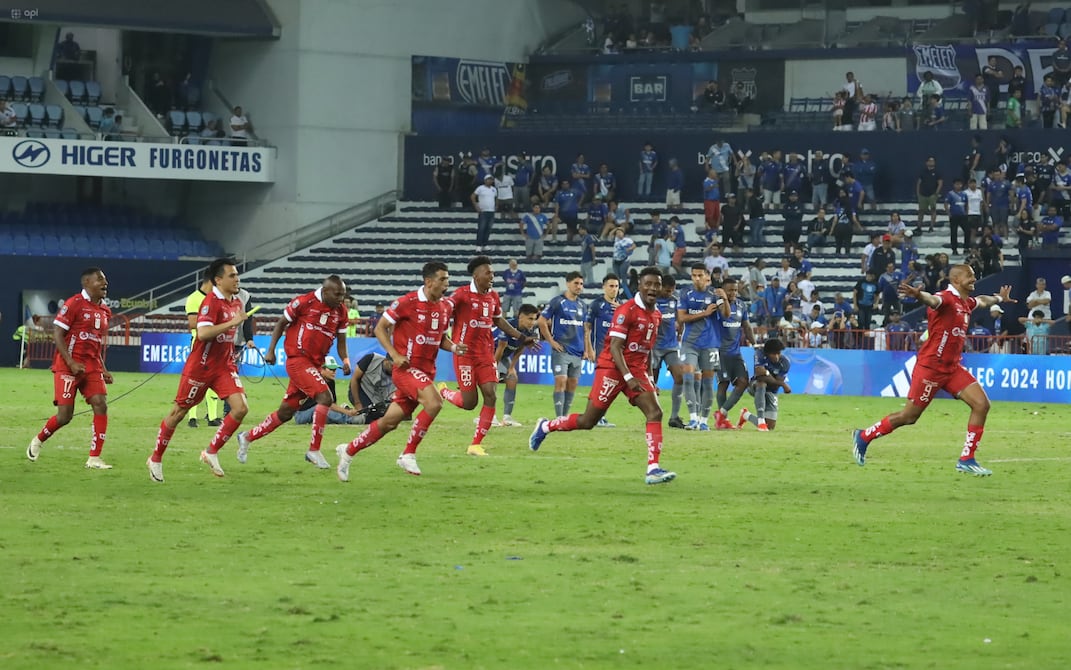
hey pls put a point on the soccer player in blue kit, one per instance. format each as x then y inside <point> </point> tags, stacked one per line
<point>667,348</point>
<point>698,347</point>
<point>771,376</point>
<point>562,325</point>
<point>506,351</point>
<point>600,318</point>
<point>730,328</point>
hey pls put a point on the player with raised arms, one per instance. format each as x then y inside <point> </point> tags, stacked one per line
<point>624,367</point>
<point>938,367</point>
<point>312,323</point>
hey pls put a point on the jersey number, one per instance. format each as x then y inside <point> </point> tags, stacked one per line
<point>715,359</point>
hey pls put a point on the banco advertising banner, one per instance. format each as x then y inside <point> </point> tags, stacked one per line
<point>848,372</point>
<point>954,66</point>
<point>136,160</point>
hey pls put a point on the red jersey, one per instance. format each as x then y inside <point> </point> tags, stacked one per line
<point>946,331</point>
<point>868,112</point>
<point>638,327</point>
<point>216,355</point>
<point>313,326</point>
<point>475,314</point>
<point>86,330</point>
<point>419,326</point>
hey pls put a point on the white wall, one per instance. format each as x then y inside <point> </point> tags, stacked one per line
<point>333,94</point>
<point>817,78</point>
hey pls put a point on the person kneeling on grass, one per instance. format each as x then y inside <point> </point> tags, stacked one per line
<point>771,370</point>
<point>336,414</point>
<point>624,366</point>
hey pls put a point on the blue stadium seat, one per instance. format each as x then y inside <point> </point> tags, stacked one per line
<point>76,91</point>
<point>187,248</point>
<point>193,139</point>
<point>1050,29</point>
<point>85,247</point>
<point>21,245</point>
<point>37,114</point>
<point>1056,15</point>
<point>208,117</point>
<point>5,87</point>
<point>20,88</point>
<point>93,92</point>
<point>93,116</point>
<point>37,88</point>
<point>62,86</point>
<point>157,249</point>
<point>1065,31</point>
<point>70,134</point>
<point>54,114</point>
<point>194,121</point>
<point>53,134</point>
<point>141,248</point>
<point>22,112</point>
<point>126,248</point>
<point>177,120</point>
<point>35,133</point>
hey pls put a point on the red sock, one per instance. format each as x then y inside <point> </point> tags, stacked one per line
<point>453,397</point>
<point>270,423</point>
<point>880,428</point>
<point>162,439</point>
<point>487,415</point>
<point>420,428</point>
<point>366,439</point>
<point>319,420</point>
<point>230,424</point>
<point>654,442</point>
<point>974,436</point>
<point>564,424</point>
<point>100,427</point>
<point>51,426</point>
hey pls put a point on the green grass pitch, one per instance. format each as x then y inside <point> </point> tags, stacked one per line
<point>768,551</point>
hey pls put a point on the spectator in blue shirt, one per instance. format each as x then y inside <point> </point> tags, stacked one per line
<point>819,178</point>
<point>998,200</point>
<point>648,163</point>
<point>513,296</point>
<point>792,174</point>
<point>956,209</point>
<point>1048,101</point>
<point>720,157</point>
<point>567,206</point>
<point>522,183</point>
<point>581,174</point>
<point>774,296</point>
<point>587,255</point>
<point>605,183</point>
<point>769,176</point>
<point>533,227</point>
<point>1049,228</point>
<point>889,285</point>
<point>866,171</point>
<point>597,212</point>
<point>865,296</point>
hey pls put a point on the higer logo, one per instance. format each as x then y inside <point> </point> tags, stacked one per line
<point>31,154</point>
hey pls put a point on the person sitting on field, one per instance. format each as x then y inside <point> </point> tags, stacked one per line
<point>337,413</point>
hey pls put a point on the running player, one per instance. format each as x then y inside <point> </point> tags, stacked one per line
<point>411,331</point>
<point>600,318</point>
<point>80,331</point>
<point>698,346</point>
<point>730,327</point>
<point>312,322</point>
<point>562,325</point>
<point>506,356</point>
<point>209,366</point>
<point>771,373</point>
<point>193,306</point>
<point>477,309</point>
<point>938,366</point>
<point>624,366</point>
<point>667,349</point>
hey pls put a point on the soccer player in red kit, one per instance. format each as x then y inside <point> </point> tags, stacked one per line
<point>477,310</point>
<point>209,366</point>
<point>312,322</point>
<point>411,332</point>
<point>81,329</point>
<point>938,366</point>
<point>624,366</point>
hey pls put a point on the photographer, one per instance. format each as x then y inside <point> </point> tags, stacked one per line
<point>337,413</point>
<point>371,387</point>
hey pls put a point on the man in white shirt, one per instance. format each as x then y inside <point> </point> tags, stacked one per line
<point>854,90</point>
<point>239,128</point>
<point>714,259</point>
<point>7,116</point>
<point>504,184</point>
<point>974,211</point>
<point>484,199</point>
<point>1040,299</point>
<point>1065,281</point>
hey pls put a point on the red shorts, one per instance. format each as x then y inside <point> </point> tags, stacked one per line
<point>712,210</point>
<point>472,372</point>
<point>88,384</point>
<point>305,381</point>
<point>609,382</point>
<point>678,255</point>
<point>192,391</point>
<point>408,384</point>
<point>926,382</point>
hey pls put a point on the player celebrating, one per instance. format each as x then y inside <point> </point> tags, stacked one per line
<point>81,329</point>
<point>193,307</point>
<point>698,346</point>
<point>771,371</point>
<point>562,325</point>
<point>312,322</point>
<point>667,349</point>
<point>411,332</point>
<point>600,318</point>
<point>477,309</point>
<point>730,323</point>
<point>938,366</point>
<point>209,366</point>
<point>506,356</point>
<point>624,366</point>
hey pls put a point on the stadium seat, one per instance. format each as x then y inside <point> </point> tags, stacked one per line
<point>54,114</point>
<point>1050,29</point>
<point>5,87</point>
<point>69,134</point>
<point>62,86</point>
<point>93,116</point>
<point>1056,15</point>
<point>1065,31</point>
<point>53,134</point>
<point>36,133</point>
<point>177,120</point>
<point>194,121</point>
<point>76,92</point>
<point>141,248</point>
<point>208,117</point>
<point>126,248</point>
<point>22,112</point>
<point>93,92</point>
<point>37,115</point>
<point>157,249</point>
<point>20,88</point>
<point>37,88</point>
<point>21,245</point>
<point>193,139</point>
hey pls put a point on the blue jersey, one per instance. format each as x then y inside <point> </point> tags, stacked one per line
<point>597,214</point>
<point>675,180</point>
<point>667,328</point>
<point>864,172</point>
<point>698,333</point>
<point>778,370</point>
<point>534,225</point>
<point>1023,194</point>
<point>485,165</point>
<point>771,175</point>
<point>854,191</point>
<point>514,280</point>
<point>1052,237</point>
<point>648,160</point>
<point>679,240</point>
<point>728,330</point>
<point>581,175</point>
<point>957,203</point>
<point>793,175</point>
<point>866,293</point>
<point>523,176</point>
<point>607,182</point>
<point>601,317</point>
<point>587,248</point>
<point>711,189</point>
<point>999,191</point>
<point>566,319</point>
<point>568,201</point>
<point>513,345</point>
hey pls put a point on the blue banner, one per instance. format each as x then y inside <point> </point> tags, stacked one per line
<point>954,66</point>
<point>850,372</point>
